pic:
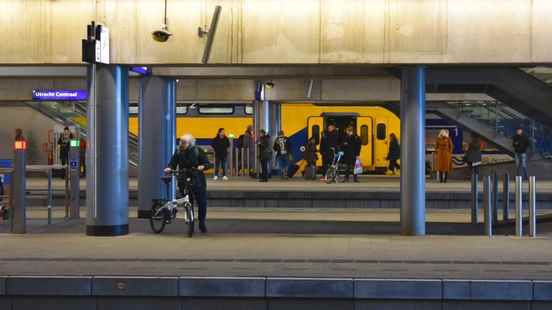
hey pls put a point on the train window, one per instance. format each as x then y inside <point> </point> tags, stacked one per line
<point>316,134</point>
<point>364,134</point>
<point>249,110</point>
<point>181,110</point>
<point>133,110</point>
<point>381,131</point>
<point>216,110</point>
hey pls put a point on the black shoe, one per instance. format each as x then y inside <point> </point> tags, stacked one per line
<point>203,228</point>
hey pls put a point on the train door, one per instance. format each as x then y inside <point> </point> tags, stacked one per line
<point>315,127</point>
<point>381,143</point>
<point>365,132</point>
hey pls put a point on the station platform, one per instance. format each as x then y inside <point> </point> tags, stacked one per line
<point>371,192</point>
<point>338,259</point>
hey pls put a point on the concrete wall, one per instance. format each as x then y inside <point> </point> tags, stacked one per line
<point>284,31</point>
<point>35,128</point>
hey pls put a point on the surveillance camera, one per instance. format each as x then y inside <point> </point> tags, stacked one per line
<point>162,35</point>
<point>269,84</point>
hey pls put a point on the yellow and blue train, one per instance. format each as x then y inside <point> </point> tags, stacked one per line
<point>373,124</point>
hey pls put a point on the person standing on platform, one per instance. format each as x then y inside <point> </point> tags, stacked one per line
<point>328,148</point>
<point>220,145</point>
<point>265,155</point>
<point>443,156</point>
<point>310,157</point>
<point>394,153</point>
<point>351,152</point>
<point>248,145</point>
<point>473,154</point>
<point>282,148</point>
<point>64,142</point>
<point>520,143</point>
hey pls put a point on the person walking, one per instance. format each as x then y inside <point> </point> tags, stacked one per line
<point>328,148</point>
<point>265,155</point>
<point>64,144</point>
<point>394,153</point>
<point>310,157</point>
<point>282,149</point>
<point>351,152</point>
<point>473,154</point>
<point>191,161</point>
<point>443,156</point>
<point>520,143</point>
<point>220,145</point>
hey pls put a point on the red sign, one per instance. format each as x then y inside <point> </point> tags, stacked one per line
<point>20,145</point>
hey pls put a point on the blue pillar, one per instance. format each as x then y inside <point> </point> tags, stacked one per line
<point>107,153</point>
<point>157,140</point>
<point>413,150</point>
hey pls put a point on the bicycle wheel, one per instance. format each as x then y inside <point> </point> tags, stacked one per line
<point>158,218</point>
<point>190,220</point>
<point>330,175</point>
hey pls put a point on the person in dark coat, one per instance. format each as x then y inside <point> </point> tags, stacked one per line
<point>282,149</point>
<point>64,142</point>
<point>328,147</point>
<point>220,146</point>
<point>351,152</point>
<point>394,153</point>
<point>521,143</point>
<point>191,161</point>
<point>265,154</point>
<point>473,154</point>
<point>310,155</point>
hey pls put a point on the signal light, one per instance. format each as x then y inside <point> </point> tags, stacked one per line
<point>75,143</point>
<point>20,145</point>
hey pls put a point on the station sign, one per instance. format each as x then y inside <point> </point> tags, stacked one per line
<point>60,95</point>
<point>74,164</point>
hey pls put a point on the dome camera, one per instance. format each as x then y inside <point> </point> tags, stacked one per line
<point>161,35</point>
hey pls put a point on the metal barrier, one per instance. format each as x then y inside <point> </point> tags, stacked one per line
<point>505,197</point>
<point>519,206</point>
<point>495,198</point>
<point>475,197</point>
<point>532,206</point>
<point>488,205</point>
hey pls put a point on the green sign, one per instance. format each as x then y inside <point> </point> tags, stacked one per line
<point>75,143</point>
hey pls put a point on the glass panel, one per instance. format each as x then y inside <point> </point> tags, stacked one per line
<point>216,110</point>
<point>249,109</point>
<point>364,134</point>
<point>181,110</point>
<point>381,131</point>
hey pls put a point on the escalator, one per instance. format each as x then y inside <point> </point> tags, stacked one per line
<point>74,114</point>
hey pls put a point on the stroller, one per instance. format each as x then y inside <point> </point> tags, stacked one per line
<point>332,174</point>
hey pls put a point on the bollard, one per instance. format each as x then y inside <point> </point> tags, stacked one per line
<point>488,205</point>
<point>475,197</point>
<point>242,159</point>
<point>18,219</point>
<point>230,160</point>
<point>49,196</point>
<point>506,197</point>
<point>74,179</point>
<point>519,206</point>
<point>532,206</point>
<point>495,198</point>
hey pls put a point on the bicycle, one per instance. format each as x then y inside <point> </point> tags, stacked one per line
<point>164,211</point>
<point>332,174</point>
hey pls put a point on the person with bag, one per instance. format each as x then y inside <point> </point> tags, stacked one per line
<point>394,154</point>
<point>282,149</point>
<point>220,146</point>
<point>310,157</point>
<point>351,153</point>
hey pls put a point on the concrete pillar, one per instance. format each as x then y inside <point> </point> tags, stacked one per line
<point>157,140</point>
<point>18,220</point>
<point>413,150</point>
<point>107,153</point>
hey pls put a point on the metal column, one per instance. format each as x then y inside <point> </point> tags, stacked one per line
<point>488,205</point>
<point>107,152</point>
<point>505,197</point>
<point>519,206</point>
<point>475,196</point>
<point>19,189</point>
<point>413,150</point>
<point>157,138</point>
<point>74,179</point>
<point>532,206</point>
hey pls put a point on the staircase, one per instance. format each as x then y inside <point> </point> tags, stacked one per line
<point>74,114</point>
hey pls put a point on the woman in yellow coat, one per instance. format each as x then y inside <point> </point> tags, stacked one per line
<point>443,155</point>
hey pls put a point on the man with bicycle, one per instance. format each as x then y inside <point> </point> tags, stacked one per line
<point>191,161</point>
<point>328,148</point>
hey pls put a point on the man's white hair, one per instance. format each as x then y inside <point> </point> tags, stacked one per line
<point>188,138</point>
